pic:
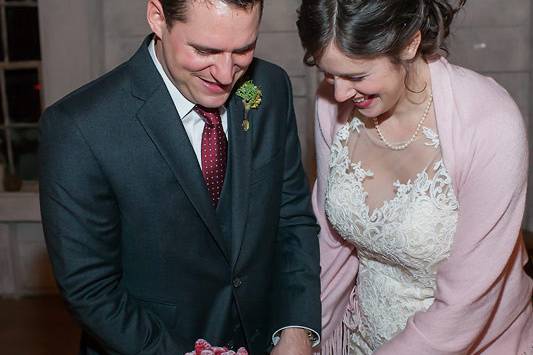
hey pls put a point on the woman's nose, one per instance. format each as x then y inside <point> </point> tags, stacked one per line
<point>344,90</point>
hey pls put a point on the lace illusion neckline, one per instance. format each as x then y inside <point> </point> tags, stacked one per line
<point>402,189</point>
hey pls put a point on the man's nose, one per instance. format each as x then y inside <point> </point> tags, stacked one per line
<point>223,69</point>
<point>344,90</point>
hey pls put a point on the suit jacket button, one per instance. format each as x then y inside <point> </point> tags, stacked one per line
<point>237,282</point>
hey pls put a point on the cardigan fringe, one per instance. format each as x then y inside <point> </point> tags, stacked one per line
<point>338,343</point>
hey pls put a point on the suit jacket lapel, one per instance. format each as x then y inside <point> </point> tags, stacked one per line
<point>240,147</point>
<point>161,122</point>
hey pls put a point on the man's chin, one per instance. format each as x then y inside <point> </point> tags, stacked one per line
<point>213,101</point>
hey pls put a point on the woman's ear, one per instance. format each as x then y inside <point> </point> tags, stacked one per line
<point>155,17</point>
<point>410,51</point>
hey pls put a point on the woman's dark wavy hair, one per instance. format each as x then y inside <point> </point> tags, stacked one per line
<point>176,10</point>
<point>372,28</point>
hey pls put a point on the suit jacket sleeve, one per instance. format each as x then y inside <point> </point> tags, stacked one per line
<point>81,221</point>
<point>297,278</point>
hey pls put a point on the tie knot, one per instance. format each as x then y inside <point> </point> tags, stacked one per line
<point>211,115</point>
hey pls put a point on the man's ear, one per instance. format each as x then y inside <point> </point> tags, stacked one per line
<point>409,52</point>
<point>155,17</point>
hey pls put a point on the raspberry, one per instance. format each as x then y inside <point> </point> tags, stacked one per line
<point>218,350</point>
<point>242,351</point>
<point>201,345</point>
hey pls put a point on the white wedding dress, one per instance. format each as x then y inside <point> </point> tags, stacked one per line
<point>399,210</point>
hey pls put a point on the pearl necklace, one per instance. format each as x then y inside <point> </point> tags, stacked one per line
<point>413,137</point>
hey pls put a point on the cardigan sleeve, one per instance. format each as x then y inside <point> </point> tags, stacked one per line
<point>482,291</point>
<point>337,258</point>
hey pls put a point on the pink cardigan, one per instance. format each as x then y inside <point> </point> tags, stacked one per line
<point>483,297</point>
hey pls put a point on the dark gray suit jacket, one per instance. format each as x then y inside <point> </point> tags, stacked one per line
<point>143,260</point>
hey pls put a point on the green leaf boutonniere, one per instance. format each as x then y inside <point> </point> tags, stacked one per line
<point>251,98</point>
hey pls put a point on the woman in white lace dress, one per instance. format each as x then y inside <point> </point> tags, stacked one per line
<point>422,170</point>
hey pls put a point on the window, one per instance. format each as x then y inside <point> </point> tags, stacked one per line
<point>20,89</point>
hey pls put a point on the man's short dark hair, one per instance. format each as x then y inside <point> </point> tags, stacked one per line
<point>176,10</point>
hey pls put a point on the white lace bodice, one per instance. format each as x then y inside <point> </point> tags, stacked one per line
<point>399,244</point>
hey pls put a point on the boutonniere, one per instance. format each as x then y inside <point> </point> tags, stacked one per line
<point>251,98</point>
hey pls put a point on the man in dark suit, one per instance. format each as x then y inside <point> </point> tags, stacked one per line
<point>173,211</point>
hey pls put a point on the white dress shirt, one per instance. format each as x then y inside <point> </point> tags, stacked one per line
<point>192,121</point>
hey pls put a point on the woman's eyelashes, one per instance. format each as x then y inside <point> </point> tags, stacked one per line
<point>330,78</point>
<point>356,78</point>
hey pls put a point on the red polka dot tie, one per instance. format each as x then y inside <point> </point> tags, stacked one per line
<point>214,151</point>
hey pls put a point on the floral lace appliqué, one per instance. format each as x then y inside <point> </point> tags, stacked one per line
<point>432,136</point>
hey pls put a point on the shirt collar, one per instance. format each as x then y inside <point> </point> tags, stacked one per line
<point>183,106</point>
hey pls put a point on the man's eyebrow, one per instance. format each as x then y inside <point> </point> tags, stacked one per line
<point>246,48</point>
<point>211,50</point>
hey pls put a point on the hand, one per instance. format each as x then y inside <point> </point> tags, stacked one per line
<point>293,341</point>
